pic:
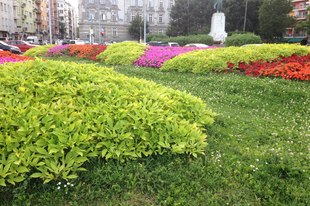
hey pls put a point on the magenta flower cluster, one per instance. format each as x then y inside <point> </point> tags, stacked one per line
<point>9,59</point>
<point>155,56</point>
<point>56,51</point>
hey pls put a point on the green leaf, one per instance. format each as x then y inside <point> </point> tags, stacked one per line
<point>34,175</point>
<point>2,182</point>
<point>22,169</point>
<point>72,176</point>
<point>41,150</point>
<point>104,152</point>
<point>18,179</point>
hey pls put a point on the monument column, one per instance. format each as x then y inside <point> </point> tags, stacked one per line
<point>218,23</point>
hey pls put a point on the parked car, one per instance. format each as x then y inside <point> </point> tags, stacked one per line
<point>5,47</point>
<point>32,40</point>
<point>158,43</point>
<point>77,42</point>
<point>175,44</point>
<point>195,45</point>
<point>22,45</point>
<point>251,45</point>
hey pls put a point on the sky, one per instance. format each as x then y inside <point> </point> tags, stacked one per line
<point>75,4</point>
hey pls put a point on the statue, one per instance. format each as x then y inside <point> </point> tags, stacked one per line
<point>218,6</point>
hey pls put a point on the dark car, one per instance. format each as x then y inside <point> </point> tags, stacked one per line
<point>5,47</point>
<point>158,43</point>
<point>22,45</point>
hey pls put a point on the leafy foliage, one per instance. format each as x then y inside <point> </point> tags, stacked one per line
<point>242,39</point>
<point>38,51</point>
<point>123,53</point>
<point>183,40</point>
<point>274,18</point>
<point>55,116</point>
<point>204,61</point>
<point>137,27</point>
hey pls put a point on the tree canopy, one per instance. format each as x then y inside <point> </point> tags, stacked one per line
<point>274,18</point>
<point>137,24</point>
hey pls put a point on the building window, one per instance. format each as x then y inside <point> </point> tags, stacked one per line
<point>150,17</point>
<point>30,25</point>
<point>26,25</point>
<point>101,1</point>
<point>133,2</point>
<point>91,16</point>
<point>113,17</point>
<point>160,19</point>
<point>103,16</point>
<point>151,31</point>
<point>171,3</point>
<point>113,1</point>
<point>114,32</point>
<point>30,14</point>
<point>140,15</point>
<point>160,31</point>
<point>90,1</point>
<point>161,3</point>
<point>132,16</point>
<point>139,2</point>
<point>29,3</point>
<point>150,3</point>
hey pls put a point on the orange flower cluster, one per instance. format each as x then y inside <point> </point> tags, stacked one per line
<point>5,54</point>
<point>289,71</point>
<point>86,51</point>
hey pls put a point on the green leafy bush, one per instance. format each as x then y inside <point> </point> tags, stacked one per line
<point>230,33</point>
<point>154,37</point>
<point>38,51</point>
<point>204,61</point>
<point>123,53</point>
<point>54,116</point>
<point>242,39</point>
<point>183,40</point>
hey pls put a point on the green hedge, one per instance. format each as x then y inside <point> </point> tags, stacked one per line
<point>207,60</point>
<point>54,116</point>
<point>38,51</point>
<point>123,53</point>
<point>242,39</point>
<point>183,40</point>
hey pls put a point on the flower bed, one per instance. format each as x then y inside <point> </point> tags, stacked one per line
<point>80,51</point>
<point>155,56</point>
<point>6,56</point>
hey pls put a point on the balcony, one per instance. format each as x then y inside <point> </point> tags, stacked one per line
<point>35,9</point>
<point>38,21</point>
<point>38,1</point>
<point>15,4</point>
<point>25,28</point>
<point>24,17</point>
<point>38,11</point>
<point>16,17</point>
<point>300,7</point>
<point>23,5</point>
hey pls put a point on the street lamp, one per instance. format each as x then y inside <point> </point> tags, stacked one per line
<point>246,8</point>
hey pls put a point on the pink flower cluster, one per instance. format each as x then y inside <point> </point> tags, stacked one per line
<point>155,56</point>
<point>9,59</point>
<point>56,51</point>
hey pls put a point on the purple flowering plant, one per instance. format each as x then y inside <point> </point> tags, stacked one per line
<point>9,59</point>
<point>57,51</point>
<point>155,56</point>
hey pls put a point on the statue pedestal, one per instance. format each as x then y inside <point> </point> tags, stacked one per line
<point>218,27</point>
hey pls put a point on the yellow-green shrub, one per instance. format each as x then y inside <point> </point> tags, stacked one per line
<point>203,61</point>
<point>54,116</point>
<point>38,51</point>
<point>123,53</point>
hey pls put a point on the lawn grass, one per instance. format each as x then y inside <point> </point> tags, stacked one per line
<point>257,153</point>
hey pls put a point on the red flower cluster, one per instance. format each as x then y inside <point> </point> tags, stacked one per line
<point>289,71</point>
<point>291,65</point>
<point>86,51</point>
<point>5,54</point>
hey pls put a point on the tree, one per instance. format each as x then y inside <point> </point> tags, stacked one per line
<point>190,16</point>
<point>62,30</point>
<point>235,13</point>
<point>274,18</point>
<point>304,25</point>
<point>137,27</point>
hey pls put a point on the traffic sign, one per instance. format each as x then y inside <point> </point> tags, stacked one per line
<point>91,32</point>
<point>56,31</point>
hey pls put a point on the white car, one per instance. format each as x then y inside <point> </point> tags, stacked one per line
<point>195,45</point>
<point>176,44</point>
<point>78,42</point>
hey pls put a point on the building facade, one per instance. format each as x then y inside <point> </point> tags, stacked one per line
<point>8,19</point>
<point>67,17</point>
<point>300,12</point>
<point>53,6</point>
<point>41,19</point>
<point>115,17</point>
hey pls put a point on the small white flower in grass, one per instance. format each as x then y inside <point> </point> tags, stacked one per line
<point>220,165</point>
<point>253,170</point>
<point>68,183</point>
<point>256,168</point>
<point>58,188</point>
<point>257,160</point>
<point>65,185</point>
<point>72,185</point>
<point>59,183</point>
